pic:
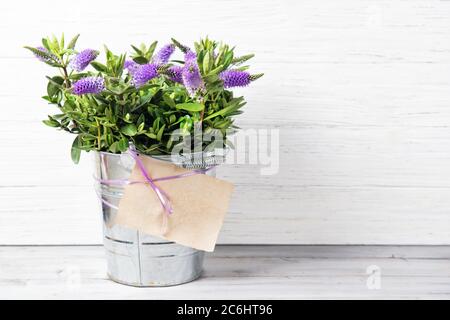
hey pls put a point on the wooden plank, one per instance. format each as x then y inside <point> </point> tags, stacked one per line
<point>237,272</point>
<point>402,157</point>
<point>313,215</point>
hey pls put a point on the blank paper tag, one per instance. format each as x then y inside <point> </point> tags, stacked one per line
<point>199,204</point>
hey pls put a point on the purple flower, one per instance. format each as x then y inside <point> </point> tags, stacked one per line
<point>44,59</point>
<point>175,74</point>
<point>191,76</point>
<point>235,78</point>
<point>164,54</point>
<point>190,55</point>
<point>144,73</point>
<point>88,85</point>
<point>83,59</point>
<point>131,66</point>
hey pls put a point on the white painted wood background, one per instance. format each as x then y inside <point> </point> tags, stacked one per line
<point>360,91</point>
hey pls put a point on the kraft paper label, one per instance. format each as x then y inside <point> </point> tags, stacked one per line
<point>199,204</point>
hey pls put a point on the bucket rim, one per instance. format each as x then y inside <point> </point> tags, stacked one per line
<point>189,160</point>
<point>187,155</point>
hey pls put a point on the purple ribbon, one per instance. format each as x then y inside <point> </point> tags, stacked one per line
<point>162,196</point>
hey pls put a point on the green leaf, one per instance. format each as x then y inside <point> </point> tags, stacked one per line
<point>54,45</point>
<point>54,86</point>
<point>138,51</point>
<point>151,135</point>
<point>179,46</point>
<point>254,77</point>
<point>51,123</point>
<point>169,101</point>
<point>156,124</point>
<point>129,129</point>
<point>242,59</point>
<point>114,147</point>
<point>61,41</point>
<point>99,66</point>
<point>78,76</point>
<point>169,143</point>
<point>144,100</point>
<point>45,44</point>
<point>215,71</point>
<point>186,124</point>
<point>141,119</point>
<point>55,82</point>
<point>222,112</point>
<point>151,49</point>
<point>109,54</point>
<point>47,98</point>
<point>191,106</point>
<point>228,59</point>
<point>73,42</point>
<point>122,145</point>
<point>140,60</point>
<point>160,133</point>
<point>206,64</point>
<point>49,58</point>
<point>75,151</point>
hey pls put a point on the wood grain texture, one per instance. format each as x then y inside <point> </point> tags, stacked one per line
<point>358,89</point>
<point>237,272</point>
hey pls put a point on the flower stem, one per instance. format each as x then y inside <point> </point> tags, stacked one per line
<point>66,76</point>
<point>98,134</point>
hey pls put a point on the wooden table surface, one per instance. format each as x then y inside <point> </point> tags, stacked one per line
<point>238,272</point>
<point>359,90</point>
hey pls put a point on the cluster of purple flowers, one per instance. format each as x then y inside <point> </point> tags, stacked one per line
<point>235,78</point>
<point>144,73</point>
<point>86,85</point>
<point>131,66</point>
<point>190,55</point>
<point>83,59</point>
<point>163,55</point>
<point>45,59</point>
<point>189,74</point>
<point>141,74</point>
<point>175,74</point>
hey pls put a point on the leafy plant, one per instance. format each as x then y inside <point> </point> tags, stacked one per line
<point>145,99</point>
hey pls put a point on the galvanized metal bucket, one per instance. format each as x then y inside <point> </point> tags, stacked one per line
<point>134,258</point>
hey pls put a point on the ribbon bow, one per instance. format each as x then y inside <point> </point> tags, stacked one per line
<point>162,196</point>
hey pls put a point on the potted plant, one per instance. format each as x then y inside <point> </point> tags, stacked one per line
<point>145,104</point>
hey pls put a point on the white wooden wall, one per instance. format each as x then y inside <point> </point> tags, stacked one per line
<point>360,91</point>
